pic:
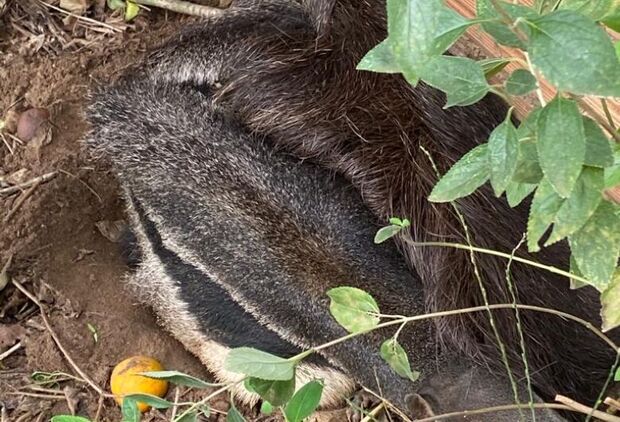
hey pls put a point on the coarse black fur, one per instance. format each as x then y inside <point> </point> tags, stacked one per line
<point>287,70</point>
<point>238,245</point>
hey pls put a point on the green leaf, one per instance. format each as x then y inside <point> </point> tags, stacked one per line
<point>380,59</point>
<point>353,308</point>
<point>610,305</point>
<point>387,232</point>
<point>394,354</point>
<point>594,9</point>
<point>520,82</point>
<point>304,402</point>
<point>131,11</point>
<point>67,418</point>
<point>561,144</point>
<point>597,245</point>
<point>462,79</point>
<point>178,378</point>
<point>565,41</point>
<point>545,205</point>
<point>396,221</point>
<point>579,207</point>
<point>420,30</point>
<point>617,374</point>
<point>129,411</point>
<point>528,169</point>
<point>612,19</point>
<point>617,47</point>
<point>493,66</point>
<point>275,392</point>
<point>153,401</point>
<point>612,173</point>
<point>503,155</point>
<point>259,364</point>
<point>233,415</point>
<point>574,269</point>
<point>266,408</point>
<point>499,30</point>
<point>598,148</point>
<point>516,192</point>
<point>467,175</point>
<point>115,4</point>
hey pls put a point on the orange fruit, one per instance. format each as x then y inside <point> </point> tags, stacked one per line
<point>125,379</point>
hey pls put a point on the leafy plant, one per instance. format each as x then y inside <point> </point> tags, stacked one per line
<point>565,158</point>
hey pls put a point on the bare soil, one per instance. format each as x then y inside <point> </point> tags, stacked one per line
<point>58,252</point>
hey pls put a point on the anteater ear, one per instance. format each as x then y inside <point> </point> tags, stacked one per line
<point>418,407</point>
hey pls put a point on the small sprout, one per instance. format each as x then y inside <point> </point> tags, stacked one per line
<point>266,408</point>
<point>131,11</point>
<point>93,331</point>
<point>178,378</point>
<point>396,225</point>
<point>68,418</point>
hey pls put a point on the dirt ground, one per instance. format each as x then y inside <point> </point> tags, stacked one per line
<point>51,231</point>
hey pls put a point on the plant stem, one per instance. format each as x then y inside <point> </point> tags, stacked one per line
<point>588,109</point>
<point>539,92</point>
<point>181,6</point>
<point>549,268</point>
<point>513,294</point>
<point>473,309</point>
<point>610,119</point>
<point>206,399</point>
<point>507,19</point>
<point>599,399</point>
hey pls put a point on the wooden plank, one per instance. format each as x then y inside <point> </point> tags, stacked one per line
<point>476,39</point>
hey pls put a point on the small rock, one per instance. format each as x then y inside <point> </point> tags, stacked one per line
<point>30,122</point>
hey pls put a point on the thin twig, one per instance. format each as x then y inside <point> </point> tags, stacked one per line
<point>99,407</point>
<point>374,412</point>
<point>94,192</point>
<point>578,407</point>
<point>36,395</point>
<point>184,7</point>
<point>66,354</point>
<point>21,186</point>
<point>79,17</point>
<point>175,405</point>
<point>465,413</point>
<point>610,119</point>
<point>9,352</point>
<point>612,403</point>
<point>20,201</point>
<point>594,114</point>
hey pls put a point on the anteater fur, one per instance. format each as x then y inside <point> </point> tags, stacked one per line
<point>287,70</point>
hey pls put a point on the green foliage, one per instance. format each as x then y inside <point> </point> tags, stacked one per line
<point>266,408</point>
<point>394,354</point>
<point>496,28</point>
<point>598,149</point>
<point>255,363</point>
<point>153,401</point>
<point>304,402</point>
<point>276,393</point>
<point>68,418</point>
<point>596,246</point>
<point>129,410</point>
<point>545,206</point>
<point>233,415</point>
<point>503,155</point>
<point>178,378</point>
<point>610,301</point>
<point>353,308</point>
<point>521,82</point>
<point>467,175</point>
<point>575,54</point>
<point>396,225</point>
<point>561,162</point>
<point>462,79</point>
<point>131,10</point>
<point>617,374</point>
<point>492,67</point>
<point>380,59</point>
